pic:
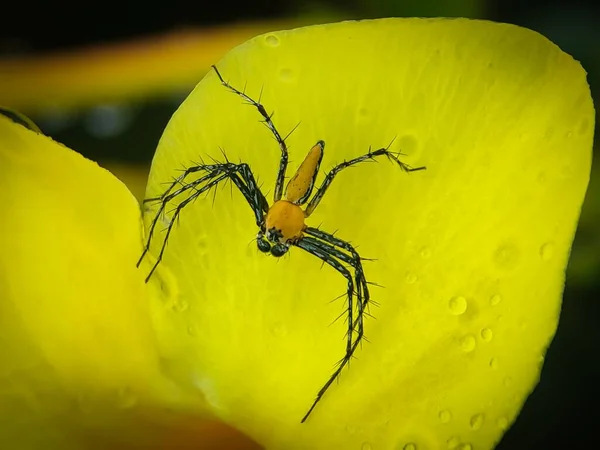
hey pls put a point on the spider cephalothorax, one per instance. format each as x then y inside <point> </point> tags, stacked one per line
<point>282,224</point>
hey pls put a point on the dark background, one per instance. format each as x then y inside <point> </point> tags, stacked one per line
<point>564,410</point>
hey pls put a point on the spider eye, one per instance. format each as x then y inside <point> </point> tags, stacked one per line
<point>263,245</point>
<point>279,250</point>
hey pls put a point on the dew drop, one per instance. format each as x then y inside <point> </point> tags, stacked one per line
<point>506,256</point>
<point>191,330</point>
<point>453,442</point>
<point>508,381</point>
<point>502,423</point>
<point>445,416</point>
<point>411,278</point>
<point>425,253</point>
<point>272,40</point>
<point>467,343</point>
<point>487,335</point>
<point>457,305</point>
<point>366,446</point>
<point>476,421</point>
<point>409,145</point>
<point>410,446</point>
<point>494,363</point>
<point>495,299</point>
<point>547,251</point>
<point>465,447</point>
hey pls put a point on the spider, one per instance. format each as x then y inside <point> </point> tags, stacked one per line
<point>281,225</point>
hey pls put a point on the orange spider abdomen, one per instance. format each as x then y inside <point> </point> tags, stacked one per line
<point>300,185</point>
<point>284,221</point>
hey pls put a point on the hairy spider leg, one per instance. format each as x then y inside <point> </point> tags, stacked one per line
<point>370,156</point>
<point>164,200</point>
<point>242,177</point>
<point>350,249</point>
<point>213,172</point>
<point>328,253</point>
<point>283,162</point>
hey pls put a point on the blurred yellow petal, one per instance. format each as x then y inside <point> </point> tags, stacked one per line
<point>472,251</point>
<point>81,367</point>
<point>119,72</point>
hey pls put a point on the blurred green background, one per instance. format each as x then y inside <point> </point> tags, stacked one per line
<point>104,78</point>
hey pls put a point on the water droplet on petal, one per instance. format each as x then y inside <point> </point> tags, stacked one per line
<point>410,446</point>
<point>547,251</point>
<point>453,442</point>
<point>409,145</point>
<point>487,335</point>
<point>468,343</point>
<point>411,278</point>
<point>494,363</point>
<point>465,447</point>
<point>507,256</point>
<point>457,305</point>
<point>476,421</point>
<point>495,299</point>
<point>272,40</point>
<point>445,416</point>
<point>366,446</point>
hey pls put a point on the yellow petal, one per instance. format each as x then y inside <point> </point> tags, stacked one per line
<point>158,65</point>
<point>81,367</point>
<point>471,252</point>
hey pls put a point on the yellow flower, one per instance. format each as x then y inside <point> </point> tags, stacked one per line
<point>471,252</point>
<point>81,366</point>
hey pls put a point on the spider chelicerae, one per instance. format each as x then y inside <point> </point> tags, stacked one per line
<point>282,224</point>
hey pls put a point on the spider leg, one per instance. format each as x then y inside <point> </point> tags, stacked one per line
<point>355,261</point>
<point>177,181</point>
<point>370,156</point>
<point>165,198</point>
<point>239,174</point>
<point>178,209</point>
<point>283,162</point>
<point>323,246</point>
